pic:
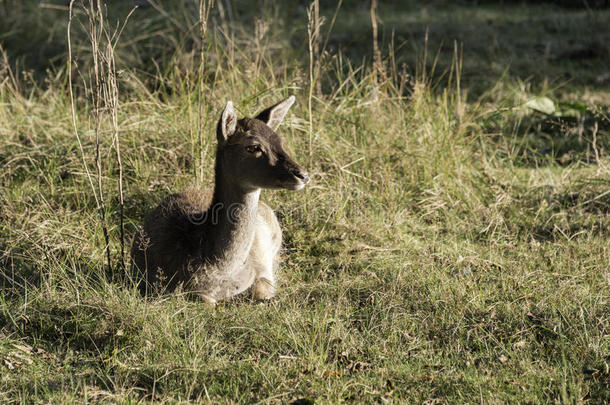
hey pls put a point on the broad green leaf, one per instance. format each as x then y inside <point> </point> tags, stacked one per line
<point>541,104</point>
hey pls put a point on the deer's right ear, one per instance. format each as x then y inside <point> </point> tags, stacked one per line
<point>227,124</point>
<point>274,115</point>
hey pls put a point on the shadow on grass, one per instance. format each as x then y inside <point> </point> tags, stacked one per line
<point>540,140</point>
<point>535,42</point>
<point>550,215</point>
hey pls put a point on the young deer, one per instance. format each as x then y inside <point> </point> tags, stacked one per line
<point>218,244</point>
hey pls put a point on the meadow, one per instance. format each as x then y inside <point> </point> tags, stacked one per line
<point>453,245</point>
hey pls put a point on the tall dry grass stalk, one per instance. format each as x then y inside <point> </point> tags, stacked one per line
<point>315,12</point>
<point>378,70</point>
<point>204,13</point>
<point>111,101</point>
<point>96,24</point>
<point>73,113</point>
<point>104,97</point>
<point>313,42</point>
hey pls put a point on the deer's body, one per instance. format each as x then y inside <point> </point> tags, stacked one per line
<point>220,243</point>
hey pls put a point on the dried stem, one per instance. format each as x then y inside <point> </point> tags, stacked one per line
<point>104,97</point>
<point>111,98</point>
<point>96,22</point>
<point>73,106</point>
<point>316,43</point>
<point>313,31</point>
<point>204,13</point>
<point>117,145</point>
<point>99,198</point>
<point>378,72</point>
<point>331,25</point>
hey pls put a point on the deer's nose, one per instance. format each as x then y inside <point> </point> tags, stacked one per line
<point>303,176</point>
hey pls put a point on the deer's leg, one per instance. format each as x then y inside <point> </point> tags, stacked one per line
<point>213,287</point>
<point>264,257</point>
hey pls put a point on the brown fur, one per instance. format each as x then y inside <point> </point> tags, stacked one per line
<point>166,252</point>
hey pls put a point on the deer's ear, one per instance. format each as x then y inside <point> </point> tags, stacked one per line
<point>274,115</point>
<point>227,123</point>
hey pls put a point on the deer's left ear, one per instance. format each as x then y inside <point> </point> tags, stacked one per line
<point>227,123</point>
<point>274,115</point>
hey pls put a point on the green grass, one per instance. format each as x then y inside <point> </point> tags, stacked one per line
<point>452,247</point>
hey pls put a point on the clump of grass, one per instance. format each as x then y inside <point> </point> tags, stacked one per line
<point>439,254</point>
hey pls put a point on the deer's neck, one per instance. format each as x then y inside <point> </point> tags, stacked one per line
<point>231,223</point>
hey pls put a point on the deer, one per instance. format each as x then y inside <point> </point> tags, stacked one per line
<point>220,242</point>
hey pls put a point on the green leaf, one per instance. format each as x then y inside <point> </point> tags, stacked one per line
<point>541,104</point>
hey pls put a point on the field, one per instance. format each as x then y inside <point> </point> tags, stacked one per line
<point>453,245</point>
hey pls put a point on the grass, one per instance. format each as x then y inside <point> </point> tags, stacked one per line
<point>453,246</point>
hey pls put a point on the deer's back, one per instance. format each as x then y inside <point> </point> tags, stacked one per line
<point>168,248</point>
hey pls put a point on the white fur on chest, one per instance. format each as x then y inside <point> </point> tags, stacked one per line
<point>258,260</point>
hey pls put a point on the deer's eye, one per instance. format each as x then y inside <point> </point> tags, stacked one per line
<point>254,149</point>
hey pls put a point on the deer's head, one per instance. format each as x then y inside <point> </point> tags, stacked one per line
<point>251,152</point>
